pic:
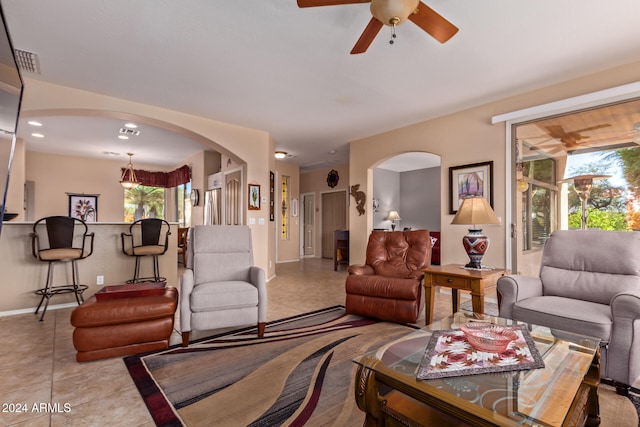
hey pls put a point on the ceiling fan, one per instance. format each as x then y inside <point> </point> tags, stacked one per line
<point>394,13</point>
<point>572,138</point>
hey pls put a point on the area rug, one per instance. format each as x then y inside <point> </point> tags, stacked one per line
<point>490,308</point>
<point>300,373</point>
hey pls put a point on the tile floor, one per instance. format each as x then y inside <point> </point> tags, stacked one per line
<point>42,384</point>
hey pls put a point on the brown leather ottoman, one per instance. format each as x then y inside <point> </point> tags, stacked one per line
<point>123,326</point>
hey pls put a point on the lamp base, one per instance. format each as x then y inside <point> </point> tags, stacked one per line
<point>475,244</point>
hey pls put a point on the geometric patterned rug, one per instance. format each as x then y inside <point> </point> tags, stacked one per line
<point>300,373</point>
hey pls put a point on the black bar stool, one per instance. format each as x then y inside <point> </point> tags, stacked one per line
<point>60,239</point>
<point>146,237</point>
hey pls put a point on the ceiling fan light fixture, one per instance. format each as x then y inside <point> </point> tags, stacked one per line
<point>393,12</point>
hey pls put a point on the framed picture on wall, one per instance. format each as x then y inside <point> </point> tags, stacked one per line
<point>254,197</point>
<point>471,180</point>
<point>83,206</point>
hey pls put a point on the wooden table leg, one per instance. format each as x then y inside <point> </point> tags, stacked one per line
<point>429,298</point>
<point>477,296</point>
<point>455,299</point>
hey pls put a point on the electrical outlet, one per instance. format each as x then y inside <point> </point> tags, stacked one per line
<point>100,280</point>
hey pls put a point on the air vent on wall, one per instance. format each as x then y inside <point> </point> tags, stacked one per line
<point>28,61</point>
<point>133,132</point>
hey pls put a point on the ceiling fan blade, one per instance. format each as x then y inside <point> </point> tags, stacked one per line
<point>433,23</point>
<point>314,3</point>
<point>604,125</point>
<point>369,33</point>
<point>556,131</point>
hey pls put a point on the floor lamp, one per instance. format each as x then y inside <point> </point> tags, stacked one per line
<point>582,184</point>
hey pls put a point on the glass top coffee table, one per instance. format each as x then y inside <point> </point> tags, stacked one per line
<point>563,393</point>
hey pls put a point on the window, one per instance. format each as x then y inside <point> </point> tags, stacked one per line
<point>183,204</point>
<point>539,202</point>
<point>143,202</point>
<point>594,151</point>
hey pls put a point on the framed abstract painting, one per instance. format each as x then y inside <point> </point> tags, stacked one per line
<point>473,180</point>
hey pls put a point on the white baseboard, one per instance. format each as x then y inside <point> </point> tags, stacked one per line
<point>288,261</point>
<point>33,309</point>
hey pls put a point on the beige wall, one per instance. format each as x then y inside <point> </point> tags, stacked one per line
<point>55,175</point>
<point>316,182</point>
<point>462,138</point>
<point>288,250</point>
<point>241,145</point>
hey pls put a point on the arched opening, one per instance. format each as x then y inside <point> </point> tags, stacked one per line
<point>410,185</point>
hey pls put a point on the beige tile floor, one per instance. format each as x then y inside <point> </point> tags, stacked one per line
<point>41,384</point>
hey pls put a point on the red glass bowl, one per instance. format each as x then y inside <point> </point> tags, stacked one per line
<point>488,338</point>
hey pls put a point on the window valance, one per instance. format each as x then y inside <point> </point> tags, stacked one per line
<point>176,177</point>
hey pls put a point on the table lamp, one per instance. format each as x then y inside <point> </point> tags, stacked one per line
<point>393,217</point>
<point>475,211</point>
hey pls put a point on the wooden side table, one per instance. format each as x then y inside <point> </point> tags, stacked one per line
<point>457,278</point>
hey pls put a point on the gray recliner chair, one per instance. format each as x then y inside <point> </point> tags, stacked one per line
<point>221,287</point>
<point>589,283</point>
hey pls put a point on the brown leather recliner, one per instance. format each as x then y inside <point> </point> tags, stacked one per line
<point>388,287</point>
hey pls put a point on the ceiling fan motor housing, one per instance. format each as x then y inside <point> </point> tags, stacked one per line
<point>393,12</point>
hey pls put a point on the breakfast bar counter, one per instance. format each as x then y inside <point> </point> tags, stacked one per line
<point>22,274</point>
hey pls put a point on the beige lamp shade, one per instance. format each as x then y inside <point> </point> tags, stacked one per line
<point>394,216</point>
<point>475,210</point>
<point>393,12</point>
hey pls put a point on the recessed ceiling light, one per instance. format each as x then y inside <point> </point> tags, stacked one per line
<point>34,123</point>
<point>123,137</point>
<point>37,135</point>
<point>130,125</point>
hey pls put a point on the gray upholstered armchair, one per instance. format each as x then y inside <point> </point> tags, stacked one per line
<point>589,284</point>
<point>221,287</point>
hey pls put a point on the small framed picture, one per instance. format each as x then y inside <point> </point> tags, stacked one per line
<point>254,197</point>
<point>83,206</point>
<point>474,180</point>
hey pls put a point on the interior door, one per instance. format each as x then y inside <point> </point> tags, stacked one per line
<point>334,217</point>
<point>309,224</point>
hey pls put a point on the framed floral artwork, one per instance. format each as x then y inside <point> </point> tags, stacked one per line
<point>254,197</point>
<point>474,180</point>
<point>83,206</point>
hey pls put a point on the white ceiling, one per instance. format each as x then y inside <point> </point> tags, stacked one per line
<point>270,65</point>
